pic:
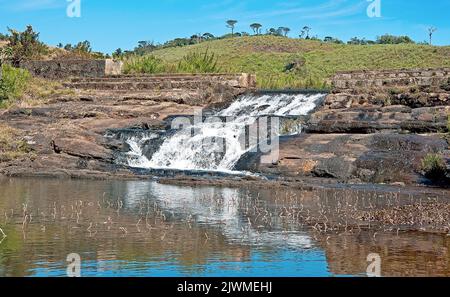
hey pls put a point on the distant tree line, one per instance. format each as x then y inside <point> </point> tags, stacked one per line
<point>25,44</point>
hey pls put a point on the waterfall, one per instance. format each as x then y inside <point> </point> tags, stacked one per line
<point>214,144</point>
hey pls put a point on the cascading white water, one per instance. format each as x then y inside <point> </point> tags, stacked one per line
<point>217,145</point>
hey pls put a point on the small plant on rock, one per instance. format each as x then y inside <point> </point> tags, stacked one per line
<point>433,166</point>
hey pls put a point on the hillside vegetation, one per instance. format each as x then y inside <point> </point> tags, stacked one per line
<point>281,62</point>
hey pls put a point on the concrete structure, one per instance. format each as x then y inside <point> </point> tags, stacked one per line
<point>190,89</point>
<point>60,69</point>
<point>413,88</point>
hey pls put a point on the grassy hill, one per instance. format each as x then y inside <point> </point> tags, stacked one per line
<point>293,63</point>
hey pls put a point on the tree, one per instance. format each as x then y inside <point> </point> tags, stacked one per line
<point>208,36</point>
<point>305,31</point>
<point>329,39</point>
<point>24,46</point>
<point>302,34</point>
<point>431,31</point>
<point>391,39</point>
<point>256,27</point>
<point>83,47</point>
<point>357,41</point>
<point>275,32</point>
<point>286,31</point>
<point>118,53</point>
<point>196,38</point>
<point>144,47</point>
<point>231,24</point>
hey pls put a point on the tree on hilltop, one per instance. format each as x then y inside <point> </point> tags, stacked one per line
<point>431,31</point>
<point>256,27</point>
<point>231,24</point>
<point>286,31</point>
<point>305,32</point>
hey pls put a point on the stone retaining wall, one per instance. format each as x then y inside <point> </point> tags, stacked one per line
<point>413,88</point>
<point>60,69</point>
<point>189,89</point>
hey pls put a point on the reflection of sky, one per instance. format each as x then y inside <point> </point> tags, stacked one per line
<point>226,216</point>
<point>286,263</point>
<point>271,252</point>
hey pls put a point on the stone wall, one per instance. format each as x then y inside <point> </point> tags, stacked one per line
<point>190,89</point>
<point>413,88</point>
<point>60,69</point>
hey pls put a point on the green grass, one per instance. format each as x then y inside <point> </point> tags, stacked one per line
<point>268,56</point>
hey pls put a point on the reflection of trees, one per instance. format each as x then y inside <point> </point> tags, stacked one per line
<point>189,245</point>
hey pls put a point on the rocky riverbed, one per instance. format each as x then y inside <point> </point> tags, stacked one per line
<point>364,132</point>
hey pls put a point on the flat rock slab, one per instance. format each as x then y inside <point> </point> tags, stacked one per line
<point>374,119</point>
<point>373,158</point>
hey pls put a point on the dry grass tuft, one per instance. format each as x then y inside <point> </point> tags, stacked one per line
<point>12,146</point>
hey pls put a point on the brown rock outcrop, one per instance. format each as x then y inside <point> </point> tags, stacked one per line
<point>372,158</point>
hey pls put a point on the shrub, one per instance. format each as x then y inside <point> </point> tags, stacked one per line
<point>145,64</point>
<point>433,165</point>
<point>13,83</point>
<point>197,62</point>
<point>391,39</point>
<point>23,46</point>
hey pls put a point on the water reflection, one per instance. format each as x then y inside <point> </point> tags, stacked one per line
<point>222,208</point>
<point>139,228</point>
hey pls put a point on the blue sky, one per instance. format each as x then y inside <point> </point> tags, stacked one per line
<point>112,24</point>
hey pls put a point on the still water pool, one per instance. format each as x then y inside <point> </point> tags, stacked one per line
<point>143,228</point>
